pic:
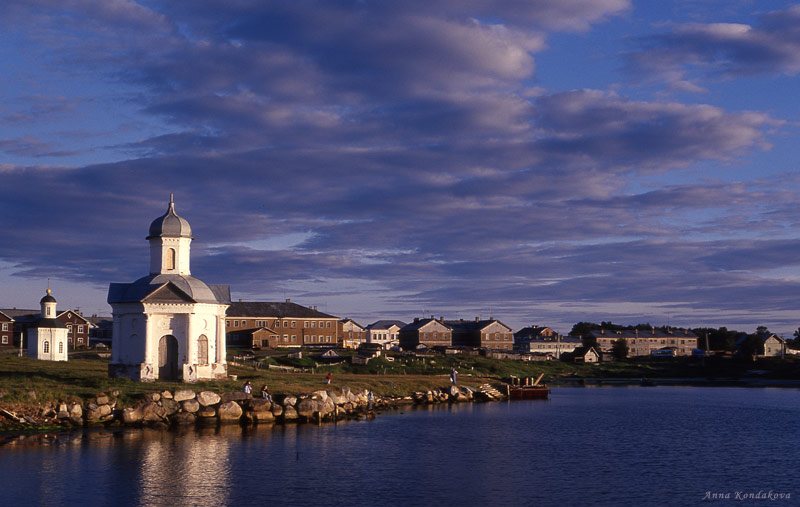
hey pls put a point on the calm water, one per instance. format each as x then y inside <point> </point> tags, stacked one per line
<point>586,446</point>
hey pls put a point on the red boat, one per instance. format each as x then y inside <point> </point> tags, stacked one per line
<point>528,391</point>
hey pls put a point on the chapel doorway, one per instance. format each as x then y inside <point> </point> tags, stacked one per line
<point>168,358</point>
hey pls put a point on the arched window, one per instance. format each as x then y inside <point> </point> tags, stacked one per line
<point>202,349</point>
<point>46,347</point>
<point>170,258</point>
<point>60,347</point>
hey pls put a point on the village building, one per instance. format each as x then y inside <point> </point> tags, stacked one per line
<point>77,328</point>
<point>487,334</point>
<point>644,342</point>
<point>284,324</point>
<point>533,333</point>
<point>6,330</point>
<point>385,332</point>
<point>584,354</point>
<point>554,345</point>
<point>352,334</point>
<point>428,333</point>
<point>47,337</point>
<point>169,325</point>
<point>769,345</point>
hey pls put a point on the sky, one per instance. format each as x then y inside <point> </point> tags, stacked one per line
<point>540,162</point>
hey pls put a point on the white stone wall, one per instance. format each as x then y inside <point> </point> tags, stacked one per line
<point>158,255</point>
<point>56,337</point>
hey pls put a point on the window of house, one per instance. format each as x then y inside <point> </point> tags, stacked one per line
<point>285,323</point>
<point>294,323</point>
<point>46,347</point>
<point>170,258</point>
<point>328,324</point>
<point>202,349</point>
<point>294,338</point>
<point>5,339</point>
<point>228,323</point>
<point>235,323</point>
<point>80,329</point>
<point>80,340</point>
<point>329,339</point>
<point>244,323</point>
<point>5,326</point>
<point>60,347</point>
<point>321,324</point>
<point>48,310</point>
<point>313,323</point>
<point>69,328</point>
<point>305,323</point>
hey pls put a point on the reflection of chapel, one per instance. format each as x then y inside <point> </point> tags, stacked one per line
<point>168,325</point>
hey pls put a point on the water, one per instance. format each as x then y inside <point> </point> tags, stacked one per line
<point>586,446</point>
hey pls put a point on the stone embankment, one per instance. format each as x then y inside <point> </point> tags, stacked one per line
<point>185,407</point>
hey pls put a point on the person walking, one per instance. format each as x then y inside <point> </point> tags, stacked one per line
<point>328,378</point>
<point>453,374</point>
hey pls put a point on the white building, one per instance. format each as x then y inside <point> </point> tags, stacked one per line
<point>385,332</point>
<point>169,325</point>
<point>47,338</point>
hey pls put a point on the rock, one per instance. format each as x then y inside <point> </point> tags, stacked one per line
<point>258,405</point>
<point>183,418</point>
<point>289,401</point>
<point>132,415</point>
<point>235,396</point>
<point>152,397</point>
<point>152,412</point>
<point>190,406</point>
<point>262,416</point>
<point>91,406</point>
<point>166,394</point>
<point>183,395</point>
<point>277,410</point>
<point>170,406</point>
<point>62,415</point>
<point>75,410</point>
<point>328,407</point>
<point>62,407</point>
<point>321,395</point>
<point>453,391</point>
<point>229,412</point>
<point>98,413</point>
<point>306,408</point>
<point>336,398</point>
<point>289,414</point>
<point>208,398</point>
<point>207,412</point>
<point>102,399</point>
<point>115,392</point>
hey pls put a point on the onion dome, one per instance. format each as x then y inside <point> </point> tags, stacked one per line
<point>170,224</point>
<point>47,298</point>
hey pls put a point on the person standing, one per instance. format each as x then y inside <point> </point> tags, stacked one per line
<point>328,378</point>
<point>247,387</point>
<point>453,374</point>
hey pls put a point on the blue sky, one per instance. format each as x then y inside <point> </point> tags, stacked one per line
<point>540,161</point>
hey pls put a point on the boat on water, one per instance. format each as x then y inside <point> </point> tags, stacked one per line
<point>528,391</point>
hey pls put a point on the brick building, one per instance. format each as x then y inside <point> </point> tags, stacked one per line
<point>428,332</point>
<point>487,334</point>
<point>286,324</point>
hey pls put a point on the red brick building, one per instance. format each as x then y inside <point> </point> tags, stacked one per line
<point>294,325</point>
<point>427,332</point>
<point>77,328</point>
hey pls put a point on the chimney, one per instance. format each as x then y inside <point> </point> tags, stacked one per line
<point>477,319</point>
<point>315,308</point>
<point>433,317</point>
<point>654,330</point>
<point>240,300</point>
<point>416,319</point>
<point>288,300</point>
<point>602,331</point>
<point>441,319</point>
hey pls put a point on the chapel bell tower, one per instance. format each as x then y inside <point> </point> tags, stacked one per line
<point>170,242</point>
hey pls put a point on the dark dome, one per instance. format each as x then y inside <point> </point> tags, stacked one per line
<point>170,224</point>
<point>48,299</point>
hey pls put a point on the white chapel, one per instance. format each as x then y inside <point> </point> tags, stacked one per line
<point>47,339</point>
<point>169,325</point>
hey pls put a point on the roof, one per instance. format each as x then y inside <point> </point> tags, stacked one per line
<point>641,333</point>
<point>346,320</point>
<point>76,314</point>
<point>531,331</point>
<point>42,322</point>
<point>273,309</point>
<point>9,317</point>
<point>22,315</point>
<point>473,325</point>
<point>386,324</point>
<point>548,339</point>
<point>419,324</point>
<point>170,224</point>
<point>47,298</point>
<point>168,288</point>
<point>763,337</point>
<point>582,351</point>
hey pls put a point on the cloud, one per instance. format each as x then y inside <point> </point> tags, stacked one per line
<point>727,50</point>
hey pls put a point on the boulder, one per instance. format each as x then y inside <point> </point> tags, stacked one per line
<point>132,415</point>
<point>289,401</point>
<point>277,410</point>
<point>183,418</point>
<point>289,414</point>
<point>152,397</point>
<point>152,412</point>
<point>170,406</point>
<point>336,398</point>
<point>229,412</point>
<point>258,405</point>
<point>98,413</point>
<point>262,416</point>
<point>208,398</point>
<point>190,406</point>
<point>320,395</point>
<point>328,407</point>
<point>306,408</point>
<point>166,394</point>
<point>207,412</point>
<point>102,399</point>
<point>183,395</point>
<point>235,396</point>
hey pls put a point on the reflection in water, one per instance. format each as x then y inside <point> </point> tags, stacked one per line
<point>614,446</point>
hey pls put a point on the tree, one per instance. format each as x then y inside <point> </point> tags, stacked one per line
<point>620,348</point>
<point>751,346</point>
<point>762,330</point>
<point>794,344</point>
